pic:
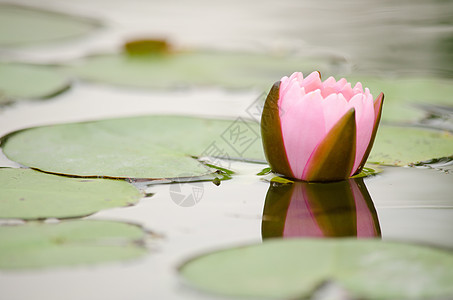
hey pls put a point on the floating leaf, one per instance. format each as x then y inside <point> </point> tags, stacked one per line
<point>29,81</point>
<point>229,69</point>
<point>404,95</point>
<point>21,25</point>
<point>281,180</point>
<point>37,245</point>
<point>164,146</point>
<point>368,170</point>
<point>403,145</point>
<point>264,171</point>
<point>28,194</point>
<point>139,147</point>
<point>295,268</point>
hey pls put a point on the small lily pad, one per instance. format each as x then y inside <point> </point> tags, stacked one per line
<point>22,25</point>
<point>151,147</point>
<point>295,268</point>
<point>264,171</point>
<point>28,194</point>
<point>38,245</point>
<point>202,68</point>
<point>401,146</point>
<point>368,170</point>
<point>29,81</point>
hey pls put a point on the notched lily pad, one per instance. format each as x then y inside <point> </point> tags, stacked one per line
<point>38,245</point>
<point>295,268</point>
<point>28,194</point>
<point>152,147</point>
<point>19,81</point>
<point>22,25</point>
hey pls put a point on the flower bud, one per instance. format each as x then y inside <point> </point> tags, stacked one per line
<point>319,131</point>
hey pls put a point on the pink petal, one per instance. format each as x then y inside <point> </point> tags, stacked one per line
<point>334,106</point>
<point>365,122</point>
<point>340,84</point>
<point>358,88</point>
<point>290,96</point>
<point>377,106</point>
<point>312,82</point>
<point>303,127</point>
<point>328,87</point>
<point>329,82</point>
<point>285,81</point>
<point>347,91</point>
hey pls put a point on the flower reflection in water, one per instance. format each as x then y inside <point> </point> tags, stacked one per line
<point>302,209</point>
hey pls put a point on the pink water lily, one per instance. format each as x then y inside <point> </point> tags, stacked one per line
<point>319,131</point>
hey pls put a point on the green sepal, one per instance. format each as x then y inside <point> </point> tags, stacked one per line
<point>377,108</point>
<point>271,133</point>
<point>333,159</point>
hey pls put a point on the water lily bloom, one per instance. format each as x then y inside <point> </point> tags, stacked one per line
<point>319,131</point>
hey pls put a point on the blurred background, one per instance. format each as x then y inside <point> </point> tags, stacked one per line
<point>385,37</point>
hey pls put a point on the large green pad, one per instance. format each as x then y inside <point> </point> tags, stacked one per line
<point>295,268</point>
<point>139,147</point>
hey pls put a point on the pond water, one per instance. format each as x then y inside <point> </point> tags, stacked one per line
<point>388,38</point>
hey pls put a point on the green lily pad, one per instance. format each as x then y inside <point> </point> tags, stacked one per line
<point>403,96</point>
<point>140,147</point>
<point>401,146</point>
<point>28,194</point>
<point>180,69</point>
<point>21,25</point>
<point>156,147</point>
<point>295,268</point>
<point>37,245</point>
<point>29,81</point>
